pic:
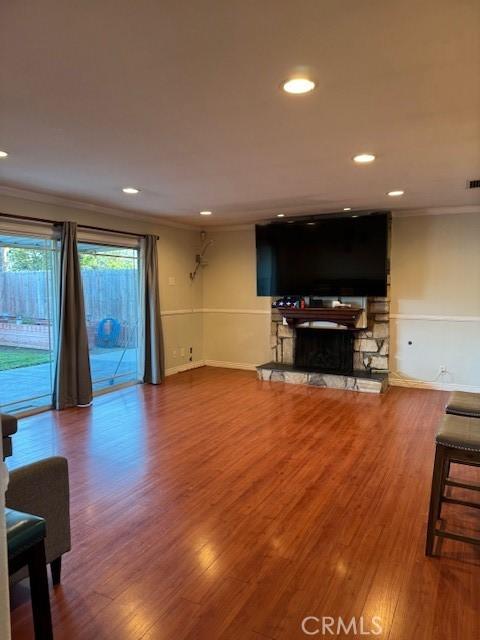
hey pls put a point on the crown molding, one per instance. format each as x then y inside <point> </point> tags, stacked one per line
<point>161,219</point>
<point>400,213</point>
<point>231,227</point>
<point>436,211</point>
<point>50,198</point>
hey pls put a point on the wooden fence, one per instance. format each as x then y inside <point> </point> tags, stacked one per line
<point>109,293</point>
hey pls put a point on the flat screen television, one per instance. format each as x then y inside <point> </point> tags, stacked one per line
<point>324,255</point>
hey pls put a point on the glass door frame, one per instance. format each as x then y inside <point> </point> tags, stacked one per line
<point>47,234</point>
<point>119,241</point>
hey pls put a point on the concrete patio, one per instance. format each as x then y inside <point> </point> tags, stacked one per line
<point>18,385</point>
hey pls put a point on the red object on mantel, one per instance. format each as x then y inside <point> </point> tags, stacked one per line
<point>346,316</point>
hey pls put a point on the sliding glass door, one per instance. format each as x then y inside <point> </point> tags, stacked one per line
<point>29,267</point>
<point>28,276</point>
<point>110,276</point>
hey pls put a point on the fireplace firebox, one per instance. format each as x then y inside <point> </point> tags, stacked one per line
<point>324,350</point>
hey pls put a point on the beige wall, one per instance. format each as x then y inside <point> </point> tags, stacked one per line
<point>177,248</point>
<point>435,277</point>
<point>436,264</point>
<point>435,267</point>
<point>236,321</point>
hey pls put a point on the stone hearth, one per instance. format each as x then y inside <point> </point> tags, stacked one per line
<point>358,381</point>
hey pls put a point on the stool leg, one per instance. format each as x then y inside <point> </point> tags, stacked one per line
<point>435,497</point>
<point>445,474</point>
<point>37,567</point>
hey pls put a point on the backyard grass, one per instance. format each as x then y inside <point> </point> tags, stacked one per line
<point>16,357</point>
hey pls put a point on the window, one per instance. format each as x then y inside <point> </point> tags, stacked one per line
<point>110,277</point>
<point>28,276</point>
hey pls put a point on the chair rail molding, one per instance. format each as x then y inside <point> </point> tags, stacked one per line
<point>179,312</point>
<point>255,312</point>
<point>433,318</point>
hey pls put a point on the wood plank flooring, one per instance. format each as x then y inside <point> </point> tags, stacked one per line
<point>218,507</point>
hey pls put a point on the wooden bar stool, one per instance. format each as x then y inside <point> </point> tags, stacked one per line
<point>25,543</point>
<point>458,441</point>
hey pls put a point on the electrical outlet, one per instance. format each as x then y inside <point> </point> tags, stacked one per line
<point>443,368</point>
<point>182,352</point>
<point>171,280</point>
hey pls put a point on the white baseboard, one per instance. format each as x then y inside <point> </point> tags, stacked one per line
<point>184,367</point>
<point>438,386</point>
<point>231,365</point>
<point>210,363</point>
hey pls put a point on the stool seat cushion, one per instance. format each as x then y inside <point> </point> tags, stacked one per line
<point>459,432</point>
<point>461,403</point>
<point>23,531</point>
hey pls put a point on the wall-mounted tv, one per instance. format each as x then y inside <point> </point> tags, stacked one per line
<point>330,255</point>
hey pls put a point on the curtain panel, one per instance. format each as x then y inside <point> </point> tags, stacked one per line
<point>73,382</point>
<point>154,352</point>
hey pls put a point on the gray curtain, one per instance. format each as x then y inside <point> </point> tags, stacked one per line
<point>73,381</point>
<point>154,354</point>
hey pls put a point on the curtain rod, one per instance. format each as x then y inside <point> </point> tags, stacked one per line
<point>83,226</point>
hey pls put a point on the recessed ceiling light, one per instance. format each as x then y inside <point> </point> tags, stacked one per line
<point>310,224</point>
<point>205,213</point>
<point>3,154</point>
<point>280,215</point>
<point>298,85</point>
<point>130,190</point>
<point>395,194</point>
<point>347,208</point>
<point>364,158</point>
<point>354,216</point>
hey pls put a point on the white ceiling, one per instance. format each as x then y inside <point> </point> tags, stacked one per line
<point>181,98</point>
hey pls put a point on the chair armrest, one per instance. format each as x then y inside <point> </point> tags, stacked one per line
<point>9,427</point>
<point>42,488</point>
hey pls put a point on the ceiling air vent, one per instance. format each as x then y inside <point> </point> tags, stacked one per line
<point>473,184</point>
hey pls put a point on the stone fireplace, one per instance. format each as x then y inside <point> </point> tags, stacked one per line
<point>332,355</point>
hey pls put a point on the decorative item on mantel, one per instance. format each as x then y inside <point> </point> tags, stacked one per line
<point>289,302</point>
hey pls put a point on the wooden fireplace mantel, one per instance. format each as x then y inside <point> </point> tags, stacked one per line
<point>346,316</point>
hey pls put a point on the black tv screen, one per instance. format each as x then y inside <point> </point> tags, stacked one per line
<point>330,256</point>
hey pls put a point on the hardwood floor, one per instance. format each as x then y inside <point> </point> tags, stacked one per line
<point>218,507</point>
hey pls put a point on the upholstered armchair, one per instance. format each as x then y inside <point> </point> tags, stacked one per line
<point>42,488</point>
<point>9,427</point>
